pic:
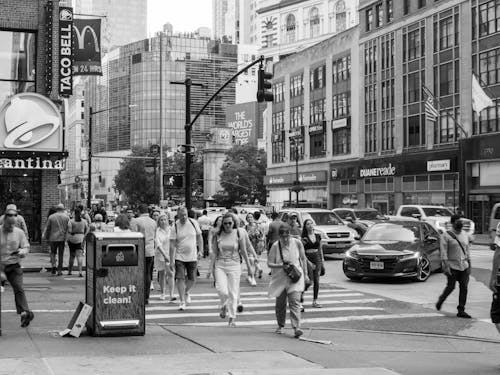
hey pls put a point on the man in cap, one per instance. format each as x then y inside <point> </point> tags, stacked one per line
<point>14,245</point>
<point>55,233</point>
<point>20,222</point>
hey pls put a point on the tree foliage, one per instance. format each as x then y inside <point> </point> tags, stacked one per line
<point>243,172</point>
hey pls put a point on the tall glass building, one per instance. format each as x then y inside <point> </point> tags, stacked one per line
<point>132,104</point>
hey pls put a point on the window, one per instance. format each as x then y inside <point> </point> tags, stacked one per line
<point>290,28</point>
<point>489,67</point>
<point>421,3</point>
<point>409,211</point>
<point>414,131</point>
<point>17,63</point>
<point>388,94</point>
<point>317,144</point>
<point>414,87</point>
<point>341,141</point>
<point>488,121</point>
<point>405,6</point>
<point>314,22</point>
<point>341,105</point>
<point>341,21</point>
<point>379,11</point>
<point>388,53</point>
<point>278,122</point>
<point>278,152</point>
<point>369,19</point>
<point>371,136</point>
<point>318,77</point>
<point>297,148</point>
<point>446,78</point>
<point>388,135</point>
<point>416,44</point>
<point>278,139</point>
<point>370,59</point>
<point>489,18</point>
<point>278,91</point>
<point>446,33</point>
<point>317,111</point>
<point>296,85</point>
<point>341,69</point>
<point>296,117</point>
<point>445,129</point>
<point>389,10</point>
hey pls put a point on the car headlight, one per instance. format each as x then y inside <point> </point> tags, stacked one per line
<point>415,255</point>
<point>352,254</point>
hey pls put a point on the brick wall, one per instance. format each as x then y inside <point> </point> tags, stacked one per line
<point>50,197</point>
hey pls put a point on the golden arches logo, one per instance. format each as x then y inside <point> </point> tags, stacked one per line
<point>80,36</point>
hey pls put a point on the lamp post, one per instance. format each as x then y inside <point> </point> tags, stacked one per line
<point>89,152</point>
<point>297,187</point>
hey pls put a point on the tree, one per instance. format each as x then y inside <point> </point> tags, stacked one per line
<point>136,179</point>
<point>242,176</point>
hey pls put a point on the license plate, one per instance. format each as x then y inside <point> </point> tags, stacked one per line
<point>376,265</point>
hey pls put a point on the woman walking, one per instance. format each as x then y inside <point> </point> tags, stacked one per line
<point>211,234</point>
<point>227,246</point>
<point>162,261</point>
<point>314,253</point>
<point>77,229</point>
<point>256,237</point>
<point>287,250</point>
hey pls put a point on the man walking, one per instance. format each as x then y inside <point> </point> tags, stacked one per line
<point>20,222</point>
<point>147,227</point>
<point>186,247</point>
<point>55,233</point>
<point>495,282</point>
<point>14,245</point>
<point>274,228</point>
<point>205,227</point>
<point>455,257</point>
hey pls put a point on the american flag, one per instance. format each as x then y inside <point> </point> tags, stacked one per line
<point>430,109</point>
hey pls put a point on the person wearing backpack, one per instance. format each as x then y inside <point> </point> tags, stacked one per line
<point>228,245</point>
<point>456,264</point>
<point>186,247</point>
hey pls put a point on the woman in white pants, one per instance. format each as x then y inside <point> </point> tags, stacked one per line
<point>228,244</point>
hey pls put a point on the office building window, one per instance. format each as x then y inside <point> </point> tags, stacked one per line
<point>489,66</point>
<point>317,77</point>
<point>297,148</point>
<point>370,136</point>
<point>278,152</point>
<point>446,33</point>
<point>406,6</point>
<point>290,28</point>
<point>296,85</point>
<point>379,13</point>
<point>389,10</point>
<point>445,130</point>
<point>296,116</point>
<point>446,78</point>
<point>278,121</point>
<point>388,53</point>
<point>388,135</point>
<point>414,44</point>
<point>279,91</point>
<point>387,94</point>
<point>414,130</point>
<point>341,69</point>
<point>488,121</point>
<point>341,138</point>
<point>421,3</point>
<point>370,59</point>
<point>369,19</point>
<point>412,87</point>
<point>341,104</point>
<point>17,63</point>
<point>317,145</point>
<point>314,22</point>
<point>317,111</point>
<point>489,18</point>
<point>341,16</point>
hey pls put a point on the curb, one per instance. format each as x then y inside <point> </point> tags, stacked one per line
<point>39,269</point>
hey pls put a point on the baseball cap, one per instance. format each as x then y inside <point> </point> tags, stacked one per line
<point>11,207</point>
<point>60,206</point>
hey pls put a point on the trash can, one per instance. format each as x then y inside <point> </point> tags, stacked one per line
<point>115,283</point>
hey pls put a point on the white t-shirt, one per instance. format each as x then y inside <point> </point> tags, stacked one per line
<point>185,240</point>
<point>497,237</point>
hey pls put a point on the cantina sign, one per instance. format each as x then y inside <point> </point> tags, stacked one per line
<point>31,163</point>
<point>389,170</point>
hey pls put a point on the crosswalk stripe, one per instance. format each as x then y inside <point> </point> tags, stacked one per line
<point>320,320</point>
<point>262,293</point>
<point>258,312</point>
<point>266,298</point>
<point>256,305</point>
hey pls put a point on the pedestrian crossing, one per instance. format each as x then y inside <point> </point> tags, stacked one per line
<point>338,305</point>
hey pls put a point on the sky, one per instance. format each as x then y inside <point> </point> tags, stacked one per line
<point>184,15</point>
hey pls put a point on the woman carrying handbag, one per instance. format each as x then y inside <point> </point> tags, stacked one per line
<point>286,258</point>
<point>314,254</point>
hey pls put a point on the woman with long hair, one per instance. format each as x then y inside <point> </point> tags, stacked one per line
<point>287,250</point>
<point>314,253</point>
<point>77,229</point>
<point>213,231</point>
<point>227,246</point>
<point>162,257</point>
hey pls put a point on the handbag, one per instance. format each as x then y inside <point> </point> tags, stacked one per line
<point>291,270</point>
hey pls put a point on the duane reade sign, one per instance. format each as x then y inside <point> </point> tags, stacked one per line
<point>30,122</point>
<point>388,170</point>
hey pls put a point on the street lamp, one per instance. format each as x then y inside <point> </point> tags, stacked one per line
<point>297,187</point>
<point>92,113</point>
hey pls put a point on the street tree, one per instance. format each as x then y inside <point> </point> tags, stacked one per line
<point>242,174</point>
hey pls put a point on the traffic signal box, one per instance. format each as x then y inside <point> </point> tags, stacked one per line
<point>264,84</point>
<point>173,180</point>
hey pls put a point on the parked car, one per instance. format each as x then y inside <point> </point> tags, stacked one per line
<point>437,216</point>
<point>336,237</point>
<point>360,219</point>
<point>494,220</point>
<point>404,248</point>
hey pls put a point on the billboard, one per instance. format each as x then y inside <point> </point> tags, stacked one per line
<point>87,47</point>
<point>244,121</point>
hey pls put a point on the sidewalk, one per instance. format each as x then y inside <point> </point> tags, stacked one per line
<point>38,262</point>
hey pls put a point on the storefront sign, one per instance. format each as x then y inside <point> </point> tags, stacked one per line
<point>304,177</point>
<point>438,165</point>
<point>65,51</point>
<point>390,170</point>
<point>316,129</point>
<point>342,123</point>
<point>30,122</point>
<point>31,163</point>
<point>295,132</point>
<point>87,45</point>
<point>241,118</point>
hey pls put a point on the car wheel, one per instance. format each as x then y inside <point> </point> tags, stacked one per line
<point>424,270</point>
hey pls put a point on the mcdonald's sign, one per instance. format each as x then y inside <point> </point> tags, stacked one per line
<point>87,47</point>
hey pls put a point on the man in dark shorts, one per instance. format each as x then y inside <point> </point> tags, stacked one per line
<point>186,247</point>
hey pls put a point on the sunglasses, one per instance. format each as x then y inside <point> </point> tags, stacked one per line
<point>11,215</point>
<point>227,223</point>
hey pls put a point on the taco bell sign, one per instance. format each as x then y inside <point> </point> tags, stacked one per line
<point>65,51</point>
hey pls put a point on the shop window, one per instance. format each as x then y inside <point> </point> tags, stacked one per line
<point>422,183</point>
<point>436,182</point>
<point>348,186</point>
<point>451,181</point>
<point>17,63</point>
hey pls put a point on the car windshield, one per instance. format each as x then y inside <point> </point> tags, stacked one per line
<point>437,211</point>
<point>322,218</point>
<point>368,215</point>
<point>393,232</point>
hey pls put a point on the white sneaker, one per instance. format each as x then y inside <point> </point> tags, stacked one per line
<point>152,287</point>
<point>163,297</point>
<point>252,281</point>
<point>188,298</point>
<point>182,306</point>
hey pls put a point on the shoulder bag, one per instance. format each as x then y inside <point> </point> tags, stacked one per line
<point>291,270</point>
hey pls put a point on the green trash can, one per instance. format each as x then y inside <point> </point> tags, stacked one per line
<point>115,283</point>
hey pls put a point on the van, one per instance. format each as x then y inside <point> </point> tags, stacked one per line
<point>494,220</point>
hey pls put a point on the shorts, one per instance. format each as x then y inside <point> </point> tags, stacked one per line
<point>185,270</point>
<point>495,309</point>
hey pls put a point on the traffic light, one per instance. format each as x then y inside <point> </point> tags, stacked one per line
<point>173,180</point>
<point>263,85</point>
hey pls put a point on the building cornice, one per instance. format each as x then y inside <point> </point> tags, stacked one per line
<point>281,4</point>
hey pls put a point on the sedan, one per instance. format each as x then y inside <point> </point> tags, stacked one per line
<point>402,248</point>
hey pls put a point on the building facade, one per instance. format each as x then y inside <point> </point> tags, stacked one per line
<point>32,154</point>
<point>314,119</point>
